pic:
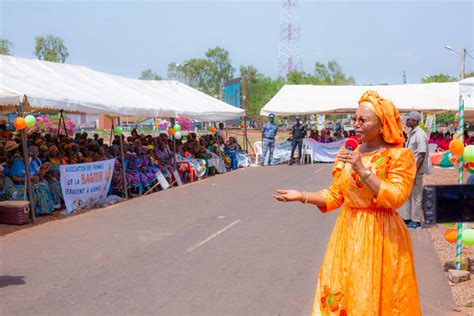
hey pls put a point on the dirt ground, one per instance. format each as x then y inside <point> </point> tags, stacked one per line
<point>463,293</point>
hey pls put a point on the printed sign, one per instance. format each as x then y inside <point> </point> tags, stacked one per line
<point>84,185</point>
<point>162,180</point>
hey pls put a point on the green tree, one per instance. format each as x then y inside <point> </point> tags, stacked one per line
<point>206,74</point>
<point>220,69</point>
<point>438,78</point>
<point>148,74</point>
<point>260,89</point>
<point>332,74</point>
<point>5,47</point>
<point>51,48</point>
<point>299,77</point>
<point>249,72</point>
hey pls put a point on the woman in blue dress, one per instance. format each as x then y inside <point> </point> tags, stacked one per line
<point>42,199</point>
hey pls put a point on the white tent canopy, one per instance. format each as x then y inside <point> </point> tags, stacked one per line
<point>54,86</point>
<point>311,99</point>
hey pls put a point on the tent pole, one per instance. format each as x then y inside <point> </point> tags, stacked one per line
<point>64,124</point>
<point>246,141</point>
<point>122,156</point>
<point>59,123</point>
<point>111,130</point>
<point>175,163</point>
<point>27,166</point>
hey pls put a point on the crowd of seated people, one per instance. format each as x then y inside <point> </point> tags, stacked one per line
<point>144,157</point>
<point>325,136</point>
<point>442,140</point>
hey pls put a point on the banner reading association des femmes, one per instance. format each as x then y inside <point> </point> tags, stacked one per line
<point>85,184</point>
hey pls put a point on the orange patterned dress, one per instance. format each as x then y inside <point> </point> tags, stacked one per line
<point>368,268</point>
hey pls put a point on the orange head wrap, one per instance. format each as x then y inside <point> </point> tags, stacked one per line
<point>388,115</point>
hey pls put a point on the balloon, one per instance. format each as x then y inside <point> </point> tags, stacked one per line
<point>170,131</point>
<point>118,130</point>
<point>468,155</point>
<point>468,237</point>
<point>451,235</point>
<point>213,130</point>
<point>30,120</point>
<point>19,123</point>
<point>456,147</point>
<point>177,127</point>
<point>242,125</point>
<point>178,135</point>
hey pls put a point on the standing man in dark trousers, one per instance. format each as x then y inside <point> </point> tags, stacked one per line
<point>411,211</point>
<point>298,133</point>
<point>269,131</point>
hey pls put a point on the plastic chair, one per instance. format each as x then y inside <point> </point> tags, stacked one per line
<point>185,166</point>
<point>258,147</point>
<point>307,150</point>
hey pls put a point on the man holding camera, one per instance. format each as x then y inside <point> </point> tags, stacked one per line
<point>417,141</point>
<point>298,133</point>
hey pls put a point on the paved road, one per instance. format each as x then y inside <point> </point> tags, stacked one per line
<point>221,246</point>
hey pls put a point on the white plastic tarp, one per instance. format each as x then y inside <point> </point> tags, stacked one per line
<point>55,86</point>
<point>466,90</point>
<point>311,99</point>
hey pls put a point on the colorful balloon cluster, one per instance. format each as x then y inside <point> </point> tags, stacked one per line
<point>175,131</point>
<point>457,149</point>
<point>21,123</point>
<point>467,237</point>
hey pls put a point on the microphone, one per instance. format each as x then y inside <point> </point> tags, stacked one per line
<point>351,143</point>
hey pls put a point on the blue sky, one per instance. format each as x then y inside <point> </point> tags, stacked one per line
<point>374,41</point>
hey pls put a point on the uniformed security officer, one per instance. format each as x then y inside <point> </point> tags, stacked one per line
<point>269,131</point>
<point>298,133</point>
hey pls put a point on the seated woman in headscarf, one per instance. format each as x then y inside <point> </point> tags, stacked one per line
<point>165,159</point>
<point>43,153</point>
<point>42,198</point>
<point>137,166</point>
<point>52,175</point>
<point>117,177</point>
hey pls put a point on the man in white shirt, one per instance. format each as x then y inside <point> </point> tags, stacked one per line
<point>418,143</point>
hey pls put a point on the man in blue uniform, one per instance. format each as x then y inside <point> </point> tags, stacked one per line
<point>298,133</point>
<point>269,131</point>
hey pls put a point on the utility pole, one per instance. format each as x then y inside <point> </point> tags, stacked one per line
<point>463,64</point>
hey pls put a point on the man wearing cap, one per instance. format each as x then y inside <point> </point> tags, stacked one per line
<point>418,143</point>
<point>269,131</point>
<point>298,133</point>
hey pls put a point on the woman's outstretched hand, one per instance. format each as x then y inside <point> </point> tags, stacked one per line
<point>288,196</point>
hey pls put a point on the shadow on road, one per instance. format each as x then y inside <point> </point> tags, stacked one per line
<point>6,280</point>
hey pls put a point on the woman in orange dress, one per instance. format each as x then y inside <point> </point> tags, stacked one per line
<point>368,268</point>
